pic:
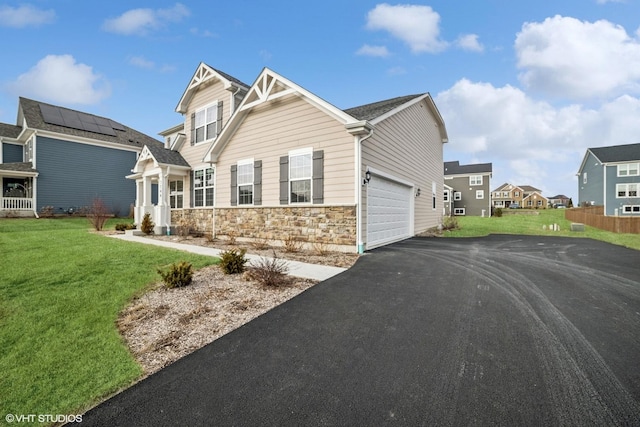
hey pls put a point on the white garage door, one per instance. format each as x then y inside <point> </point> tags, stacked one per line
<point>388,211</point>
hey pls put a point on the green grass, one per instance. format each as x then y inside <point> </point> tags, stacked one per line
<point>472,226</point>
<point>61,289</point>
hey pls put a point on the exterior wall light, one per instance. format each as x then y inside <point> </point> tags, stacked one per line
<point>367,177</point>
<point>418,192</point>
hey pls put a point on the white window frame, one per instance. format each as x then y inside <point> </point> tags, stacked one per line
<point>300,178</point>
<point>457,196</point>
<point>205,186</point>
<point>176,194</point>
<point>206,118</point>
<point>245,180</point>
<point>630,209</point>
<point>629,169</point>
<point>630,190</point>
<point>459,211</point>
<point>446,195</point>
<point>475,180</point>
<point>539,202</point>
<point>584,177</point>
<point>479,194</point>
<point>516,194</point>
<point>505,194</point>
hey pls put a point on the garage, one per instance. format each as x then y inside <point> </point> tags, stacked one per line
<point>389,211</point>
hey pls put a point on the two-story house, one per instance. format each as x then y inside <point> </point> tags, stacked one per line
<point>61,160</point>
<point>610,177</point>
<point>467,189</point>
<point>274,161</point>
<point>520,196</point>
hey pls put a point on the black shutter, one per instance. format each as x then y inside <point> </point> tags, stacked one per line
<point>193,128</point>
<point>257,182</point>
<point>284,180</point>
<point>219,119</point>
<point>192,196</point>
<point>318,177</point>
<point>234,185</point>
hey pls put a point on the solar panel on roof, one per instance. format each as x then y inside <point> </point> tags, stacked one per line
<point>116,125</point>
<point>76,120</point>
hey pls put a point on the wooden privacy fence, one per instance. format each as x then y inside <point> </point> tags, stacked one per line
<point>594,216</point>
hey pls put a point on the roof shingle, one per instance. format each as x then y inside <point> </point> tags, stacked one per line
<point>617,153</point>
<point>377,109</point>
<point>455,168</point>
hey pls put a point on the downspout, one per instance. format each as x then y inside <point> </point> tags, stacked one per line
<point>359,184</point>
<point>166,199</point>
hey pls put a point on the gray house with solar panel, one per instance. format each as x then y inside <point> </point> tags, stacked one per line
<point>60,160</point>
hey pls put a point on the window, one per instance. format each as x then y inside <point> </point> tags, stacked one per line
<point>457,195</point>
<point>539,202</point>
<point>529,203</point>
<point>626,190</point>
<point>458,211</point>
<point>434,190</point>
<point>245,182</point>
<point>635,209</point>
<point>479,194</point>
<point>505,194</point>
<point>630,169</point>
<point>475,180</point>
<point>496,194</point>
<point>300,172</point>
<point>446,195</point>
<point>205,123</point>
<point>584,177</point>
<point>176,194</point>
<point>516,194</point>
<point>203,187</point>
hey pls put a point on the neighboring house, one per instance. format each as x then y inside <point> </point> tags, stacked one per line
<point>62,160</point>
<point>610,177</point>
<point>522,196</point>
<point>559,200</point>
<point>469,188</point>
<point>447,210</point>
<point>274,161</point>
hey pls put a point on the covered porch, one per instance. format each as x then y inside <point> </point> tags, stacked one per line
<point>159,186</point>
<point>18,197</point>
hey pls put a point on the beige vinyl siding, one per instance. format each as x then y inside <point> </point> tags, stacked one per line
<point>206,95</point>
<point>271,130</point>
<point>407,145</point>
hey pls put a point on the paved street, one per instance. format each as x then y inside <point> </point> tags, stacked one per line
<point>501,330</point>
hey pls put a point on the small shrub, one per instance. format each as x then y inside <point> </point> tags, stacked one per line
<point>321,248</point>
<point>450,223</point>
<point>47,211</point>
<point>269,271</point>
<point>147,225</point>
<point>498,212</point>
<point>231,237</point>
<point>97,214</point>
<point>259,243</point>
<point>291,244</point>
<point>178,275</point>
<point>232,261</point>
<point>122,226</point>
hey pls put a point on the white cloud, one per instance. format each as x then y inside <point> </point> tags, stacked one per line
<point>470,42</point>
<point>142,21</point>
<point>25,16</point>
<point>141,62</point>
<point>416,25</point>
<point>567,57</point>
<point>379,51</point>
<point>60,79</point>
<point>528,141</point>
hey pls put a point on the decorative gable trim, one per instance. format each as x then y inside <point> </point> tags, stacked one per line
<point>268,87</point>
<point>204,75</point>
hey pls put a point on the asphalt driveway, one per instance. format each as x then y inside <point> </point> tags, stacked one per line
<point>501,330</point>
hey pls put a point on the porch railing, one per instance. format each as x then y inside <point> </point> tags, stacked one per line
<point>16,204</point>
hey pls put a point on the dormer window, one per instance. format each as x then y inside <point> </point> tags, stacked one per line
<point>206,123</point>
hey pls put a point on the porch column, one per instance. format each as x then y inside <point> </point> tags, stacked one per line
<point>34,195</point>
<point>146,196</point>
<point>162,219</point>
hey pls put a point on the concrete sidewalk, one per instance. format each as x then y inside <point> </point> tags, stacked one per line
<point>296,268</point>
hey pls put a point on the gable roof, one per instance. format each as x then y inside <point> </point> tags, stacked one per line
<point>9,131</point>
<point>167,157</point>
<point>617,153</point>
<point>455,168</point>
<point>204,74</point>
<point>31,111</point>
<point>528,188</point>
<point>377,109</point>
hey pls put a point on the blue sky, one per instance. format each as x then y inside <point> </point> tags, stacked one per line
<point>527,86</point>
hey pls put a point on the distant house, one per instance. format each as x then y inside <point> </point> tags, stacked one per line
<point>273,161</point>
<point>523,196</point>
<point>63,159</point>
<point>559,200</point>
<point>467,187</point>
<point>610,177</point>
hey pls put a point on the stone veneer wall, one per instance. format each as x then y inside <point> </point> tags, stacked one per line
<point>198,219</point>
<point>333,225</point>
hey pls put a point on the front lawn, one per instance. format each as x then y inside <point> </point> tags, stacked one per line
<point>61,289</point>
<point>532,224</point>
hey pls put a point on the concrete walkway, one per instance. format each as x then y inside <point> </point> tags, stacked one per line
<point>296,268</point>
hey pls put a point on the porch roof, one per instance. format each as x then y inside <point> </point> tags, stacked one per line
<point>167,157</point>
<point>10,131</point>
<point>21,169</point>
